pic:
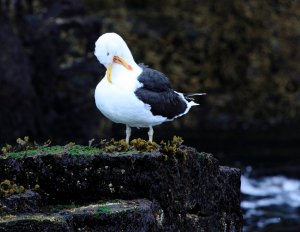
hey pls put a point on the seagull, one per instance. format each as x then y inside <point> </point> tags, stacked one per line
<point>134,94</point>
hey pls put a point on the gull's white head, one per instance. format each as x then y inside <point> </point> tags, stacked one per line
<point>111,48</point>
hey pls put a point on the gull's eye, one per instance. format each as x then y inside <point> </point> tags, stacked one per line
<point>107,53</point>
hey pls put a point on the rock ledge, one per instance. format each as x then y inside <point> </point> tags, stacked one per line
<point>189,193</point>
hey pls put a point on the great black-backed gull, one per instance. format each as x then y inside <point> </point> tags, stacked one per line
<point>133,94</point>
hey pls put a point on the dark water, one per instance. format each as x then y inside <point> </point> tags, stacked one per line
<point>270,203</point>
<point>270,182</point>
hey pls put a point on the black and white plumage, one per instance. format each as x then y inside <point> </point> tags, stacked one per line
<point>156,90</point>
<point>133,94</point>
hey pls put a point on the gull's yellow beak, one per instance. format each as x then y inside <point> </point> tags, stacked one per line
<point>117,60</point>
<point>121,61</point>
<point>108,73</point>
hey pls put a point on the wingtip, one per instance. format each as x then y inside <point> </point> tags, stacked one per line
<point>195,94</point>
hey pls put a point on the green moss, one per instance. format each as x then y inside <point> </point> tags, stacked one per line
<point>169,148</point>
<point>32,152</point>
<point>21,153</point>
<point>118,207</point>
<point>104,209</point>
<point>54,150</point>
<point>83,150</point>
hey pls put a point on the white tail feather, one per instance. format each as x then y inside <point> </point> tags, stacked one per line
<point>195,94</point>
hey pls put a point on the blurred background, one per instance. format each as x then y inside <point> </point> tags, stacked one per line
<point>244,54</point>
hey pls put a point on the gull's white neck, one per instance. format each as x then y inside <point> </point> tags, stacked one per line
<point>121,76</point>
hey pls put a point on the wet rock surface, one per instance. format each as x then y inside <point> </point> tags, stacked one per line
<point>29,201</point>
<point>190,192</point>
<point>133,215</point>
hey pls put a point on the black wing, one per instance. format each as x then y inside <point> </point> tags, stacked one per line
<point>157,92</point>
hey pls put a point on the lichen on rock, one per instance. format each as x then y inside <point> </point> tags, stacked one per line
<point>182,184</point>
<point>8,187</point>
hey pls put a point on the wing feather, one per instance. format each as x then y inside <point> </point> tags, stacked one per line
<point>157,92</point>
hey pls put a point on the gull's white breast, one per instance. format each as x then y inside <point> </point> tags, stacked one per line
<point>118,102</point>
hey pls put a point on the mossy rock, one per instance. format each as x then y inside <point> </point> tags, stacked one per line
<point>55,150</point>
<point>178,178</point>
<point>134,215</point>
<point>26,148</point>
